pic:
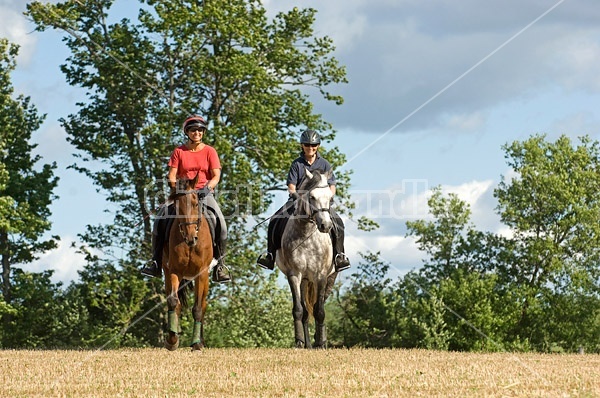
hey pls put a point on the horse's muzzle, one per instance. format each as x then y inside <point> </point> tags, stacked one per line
<point>324,224</point>
<point>191,242</point>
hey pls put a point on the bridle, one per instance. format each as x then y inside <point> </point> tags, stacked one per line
<point>312,210</point>
<point>198,222</point>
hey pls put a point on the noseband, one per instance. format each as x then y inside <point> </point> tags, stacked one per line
<point>311,217</point>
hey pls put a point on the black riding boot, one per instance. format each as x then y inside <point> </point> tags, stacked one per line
<point>220,271</point>
<point>340,260</point>
<point>266,261</point>
<point>154,267</point>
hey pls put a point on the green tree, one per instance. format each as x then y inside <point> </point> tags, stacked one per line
<point>457,301</point>
<point>26,190</point>
<point>551,204</point>
<point>251,77</point>
<point>431,323</point>
<point>244,321</point>
<point>451,241</point>
<point>36,321</point>
<point>441,238</point>
<point>360,314</point>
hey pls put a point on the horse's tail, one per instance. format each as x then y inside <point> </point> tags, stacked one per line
<point>182,293</point>
<point>310,297</point>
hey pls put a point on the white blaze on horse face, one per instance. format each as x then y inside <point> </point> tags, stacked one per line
<point>321,197</point>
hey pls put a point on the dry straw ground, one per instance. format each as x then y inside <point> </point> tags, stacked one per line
<point>295,373</point>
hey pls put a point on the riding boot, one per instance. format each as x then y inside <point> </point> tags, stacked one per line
<point>154,267</point>
<point>266,261</point>
<point>274,234</point>
<point>340,260</point>
<point>220,271</point>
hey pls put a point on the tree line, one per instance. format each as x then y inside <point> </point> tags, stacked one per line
<point>255,79</point>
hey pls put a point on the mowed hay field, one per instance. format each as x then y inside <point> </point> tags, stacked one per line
<point>295,373</point>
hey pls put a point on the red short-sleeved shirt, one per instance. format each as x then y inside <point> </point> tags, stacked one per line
<point>189,163</point>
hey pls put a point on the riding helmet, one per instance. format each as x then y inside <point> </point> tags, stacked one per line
<point>194,121</point>
<point>310,137</point>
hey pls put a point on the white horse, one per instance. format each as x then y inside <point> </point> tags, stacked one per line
<point>306,257</point>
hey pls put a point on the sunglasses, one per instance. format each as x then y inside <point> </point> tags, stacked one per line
<point>196,130</point>
<point>310,145</point>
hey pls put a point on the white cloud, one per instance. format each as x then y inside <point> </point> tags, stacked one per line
<point>400,54</point>
<point>576,60</point>
<point>400,251</point>
<point>470,192</point>
<point>579,123</point>
<point>63,260</point>
<point>16,28</point>
<point>465,122</point>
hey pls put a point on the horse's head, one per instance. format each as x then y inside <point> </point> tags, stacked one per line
<point>314,200</point>
<point>187,207</point>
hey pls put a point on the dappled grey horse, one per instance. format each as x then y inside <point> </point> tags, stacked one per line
<point>306,258</point>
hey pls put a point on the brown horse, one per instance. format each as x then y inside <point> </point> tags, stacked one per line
<point>187,256</point>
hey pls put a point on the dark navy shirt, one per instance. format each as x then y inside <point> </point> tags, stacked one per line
<point>298,169</point>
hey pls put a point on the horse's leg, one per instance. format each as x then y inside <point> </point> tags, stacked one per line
<point>304,301</point>
<point>174,309</point>
<point>330,284</point>
<point>319,314</point>
<point>297,310</point>
<point>198,311</point>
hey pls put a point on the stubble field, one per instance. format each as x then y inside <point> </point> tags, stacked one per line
<point>295,373</point>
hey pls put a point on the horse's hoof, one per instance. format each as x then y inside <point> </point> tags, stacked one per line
<point>299,344</point>
<point>171,346</point>
<point>197,347</point>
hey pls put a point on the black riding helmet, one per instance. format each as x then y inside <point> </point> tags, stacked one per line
<point>310,137</point>
<point>194,121</point>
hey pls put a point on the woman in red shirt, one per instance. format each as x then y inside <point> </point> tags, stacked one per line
<point>188,160</point>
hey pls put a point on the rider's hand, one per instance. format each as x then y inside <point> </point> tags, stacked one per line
<point>294,195</point>
<point>202,192</point>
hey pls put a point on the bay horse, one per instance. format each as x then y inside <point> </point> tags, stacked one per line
<point>306,258</point>
<point>187,256</point>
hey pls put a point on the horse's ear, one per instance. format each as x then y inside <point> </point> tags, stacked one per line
<point>180,185</point>
<point>309,174</point>
<point>194,181</point>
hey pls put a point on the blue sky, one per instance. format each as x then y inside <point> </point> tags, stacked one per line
<point>435,89</point>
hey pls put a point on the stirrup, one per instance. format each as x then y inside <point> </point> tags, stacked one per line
<point>219,275</point>
<point>151,269</point>
<point>341,262</point>
<point>266,261</point>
